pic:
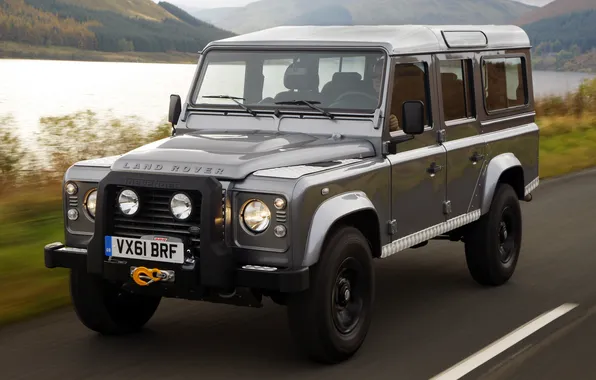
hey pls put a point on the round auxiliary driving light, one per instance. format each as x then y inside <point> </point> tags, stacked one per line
<point>71,188</point>
<point>181,206</point>
<point>279,203</point>
<point>128,201</point>
<point>280,231</point>
<point>73,214</point>
<point>91,202</point>
<point>256,216</point>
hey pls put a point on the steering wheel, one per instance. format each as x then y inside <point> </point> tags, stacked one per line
<point>356,95</point>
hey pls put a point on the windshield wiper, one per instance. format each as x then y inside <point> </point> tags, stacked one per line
<point>235,99</point>
<point>311,104</point>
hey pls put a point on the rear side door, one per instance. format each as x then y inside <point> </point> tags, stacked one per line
<point>418,168</point>
<point>466,149</point>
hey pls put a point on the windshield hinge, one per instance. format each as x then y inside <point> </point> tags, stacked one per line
<point>377,119</point>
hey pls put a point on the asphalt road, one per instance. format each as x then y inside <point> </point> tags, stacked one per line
<point>429,316</point>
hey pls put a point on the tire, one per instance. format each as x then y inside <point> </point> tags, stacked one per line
<point>488,264</point>
<point>311,316</point>
<point>106,308</point>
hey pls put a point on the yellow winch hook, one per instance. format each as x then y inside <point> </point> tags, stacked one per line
<point>150,276</point>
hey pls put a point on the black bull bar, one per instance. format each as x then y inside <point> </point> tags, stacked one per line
<point>217,266</point>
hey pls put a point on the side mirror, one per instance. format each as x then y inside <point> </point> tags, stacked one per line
<point>413,123</point>
<point>175,109</point>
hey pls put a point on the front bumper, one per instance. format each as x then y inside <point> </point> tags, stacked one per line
<point>187,282</point>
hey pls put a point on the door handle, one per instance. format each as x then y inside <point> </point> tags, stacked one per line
<point>434,169</point>
<point>476,157</point>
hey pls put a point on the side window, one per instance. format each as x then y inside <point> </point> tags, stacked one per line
<point>456,81</point>
<point>504,84</point>
<point>410,83</point>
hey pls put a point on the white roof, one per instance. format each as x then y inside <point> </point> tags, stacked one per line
<point>397,39</point>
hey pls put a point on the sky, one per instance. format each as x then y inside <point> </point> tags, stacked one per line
<point>210,3</point>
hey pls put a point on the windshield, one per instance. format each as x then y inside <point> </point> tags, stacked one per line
<point>340,81</point>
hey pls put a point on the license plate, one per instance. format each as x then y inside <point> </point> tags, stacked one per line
<point>145,249</point>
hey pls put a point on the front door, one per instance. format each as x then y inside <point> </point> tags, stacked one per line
<point>418,169</point>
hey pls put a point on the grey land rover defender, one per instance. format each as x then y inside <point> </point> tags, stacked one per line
<point>299,156</point>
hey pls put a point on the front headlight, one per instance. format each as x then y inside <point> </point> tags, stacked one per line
<point>256,216</point>
<point>91,202</point>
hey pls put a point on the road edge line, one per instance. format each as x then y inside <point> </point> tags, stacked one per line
<point>489,352</point>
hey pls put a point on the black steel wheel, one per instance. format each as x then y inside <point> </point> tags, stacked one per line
<point>348,296</point>
<point>493,243</point>
<point>330,320</point>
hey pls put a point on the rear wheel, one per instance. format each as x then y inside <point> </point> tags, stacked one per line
<point>493,243</point>
<point>108,309</point>
<point>330,320</point>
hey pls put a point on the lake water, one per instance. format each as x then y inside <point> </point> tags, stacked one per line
<point>30,89</point>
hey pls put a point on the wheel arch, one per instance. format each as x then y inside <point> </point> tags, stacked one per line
<point>504,168</point>
<point>350,209</point>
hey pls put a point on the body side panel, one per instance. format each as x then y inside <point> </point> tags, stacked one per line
<point>370,178</point>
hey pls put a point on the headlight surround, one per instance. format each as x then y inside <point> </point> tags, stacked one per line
<point>128,202</point>
<point>256,216</point>
<point>91,202</point>
<point>181,206</point>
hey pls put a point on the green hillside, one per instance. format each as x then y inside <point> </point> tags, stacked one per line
<point>110,26</point>
<point>269,13</point>
<point>566,42</point>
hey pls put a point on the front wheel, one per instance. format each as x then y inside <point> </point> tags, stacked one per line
<point>106,308</point>
<point>330,320</point>
<point>493,243</point>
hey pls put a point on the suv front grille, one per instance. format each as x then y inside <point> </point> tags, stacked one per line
<point>155,218</point>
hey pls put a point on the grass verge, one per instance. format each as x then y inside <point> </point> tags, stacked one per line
<point>30,207</point>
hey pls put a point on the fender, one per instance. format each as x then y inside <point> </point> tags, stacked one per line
<point>495,168</point>
<point>328,213</point>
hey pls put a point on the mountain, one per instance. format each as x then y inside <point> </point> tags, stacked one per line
<point>269,13</point>
<point>554,9</point>
<point>213,15</point>
<point>572,31</point>
<point>131,8</point>
<point>565,42</point>
<point>104,25</point>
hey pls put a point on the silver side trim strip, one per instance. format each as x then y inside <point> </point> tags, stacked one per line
<point>510,132</point>
<point>429,233</point>
<point>532,186</point>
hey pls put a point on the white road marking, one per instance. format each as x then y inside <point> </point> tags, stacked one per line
<point>471,363</point>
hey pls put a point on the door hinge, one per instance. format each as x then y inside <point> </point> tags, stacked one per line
<point>385,147</point>
<point>441,136</point>
<point>392,227</point>
<point>447,207</point>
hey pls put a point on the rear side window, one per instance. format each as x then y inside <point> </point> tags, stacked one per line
<point>504,83</point>
<point>456,82</point>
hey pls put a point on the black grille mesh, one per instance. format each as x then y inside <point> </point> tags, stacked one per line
<point>155,218</point>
